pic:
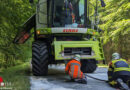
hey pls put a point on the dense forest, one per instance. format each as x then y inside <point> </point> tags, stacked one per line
<point>13,14</point>
<point>114,21</point>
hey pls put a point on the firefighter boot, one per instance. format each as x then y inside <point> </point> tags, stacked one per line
<point>122,85</point>
<point>83,81</point>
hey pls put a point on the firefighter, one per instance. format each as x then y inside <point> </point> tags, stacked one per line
<point>119,72</point>
<point>73,69</point>
<point>68,10</point>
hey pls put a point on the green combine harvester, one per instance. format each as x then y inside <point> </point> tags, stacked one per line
<point>62,28</point>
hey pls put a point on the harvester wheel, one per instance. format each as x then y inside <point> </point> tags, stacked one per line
<point>39,58</point>
<point>88,66</point>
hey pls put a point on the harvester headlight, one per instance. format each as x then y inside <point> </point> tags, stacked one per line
<point>38,32</point>
<point>93,33</point>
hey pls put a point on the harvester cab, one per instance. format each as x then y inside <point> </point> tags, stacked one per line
<point>63,28</point>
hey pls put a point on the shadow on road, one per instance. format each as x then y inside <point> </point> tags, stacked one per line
<point>53,72</point>
<point>58,79</point>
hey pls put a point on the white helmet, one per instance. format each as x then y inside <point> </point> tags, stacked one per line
<point>77,57</point>
<point>115,56</point>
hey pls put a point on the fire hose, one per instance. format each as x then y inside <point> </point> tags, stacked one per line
<point>96,78</point>
<point>123,86</point>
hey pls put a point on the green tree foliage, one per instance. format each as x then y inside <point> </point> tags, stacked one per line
<point>12,14</point>
<point>115,21</point>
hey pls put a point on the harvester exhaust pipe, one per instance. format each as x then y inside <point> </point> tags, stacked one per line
<point>31,1</point>
<point>103,3</point>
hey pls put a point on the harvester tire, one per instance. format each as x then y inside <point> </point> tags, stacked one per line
<point>39,58</point>
<point>88,66</point>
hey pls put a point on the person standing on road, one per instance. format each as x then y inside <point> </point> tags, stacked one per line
<point>118,72</point>
<point>73,69</point>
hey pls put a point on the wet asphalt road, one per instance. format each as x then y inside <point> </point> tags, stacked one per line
<point>58,80</point>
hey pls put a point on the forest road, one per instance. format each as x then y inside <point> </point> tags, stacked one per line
<point>58,80</point>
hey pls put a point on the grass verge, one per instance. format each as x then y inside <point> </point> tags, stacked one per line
<point>102,65</point>
<point>17,77</point>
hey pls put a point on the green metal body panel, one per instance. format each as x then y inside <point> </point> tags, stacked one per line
<point>95,45</point>
<point>45,30</point>
<point>49,31</point>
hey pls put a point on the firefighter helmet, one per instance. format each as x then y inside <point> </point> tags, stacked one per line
<point>115,56</point>
<point>77,57</point>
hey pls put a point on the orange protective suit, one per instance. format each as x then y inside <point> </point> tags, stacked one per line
<point>73,69</point>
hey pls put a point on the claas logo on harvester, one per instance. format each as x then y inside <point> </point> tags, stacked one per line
<point>70,30</point>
